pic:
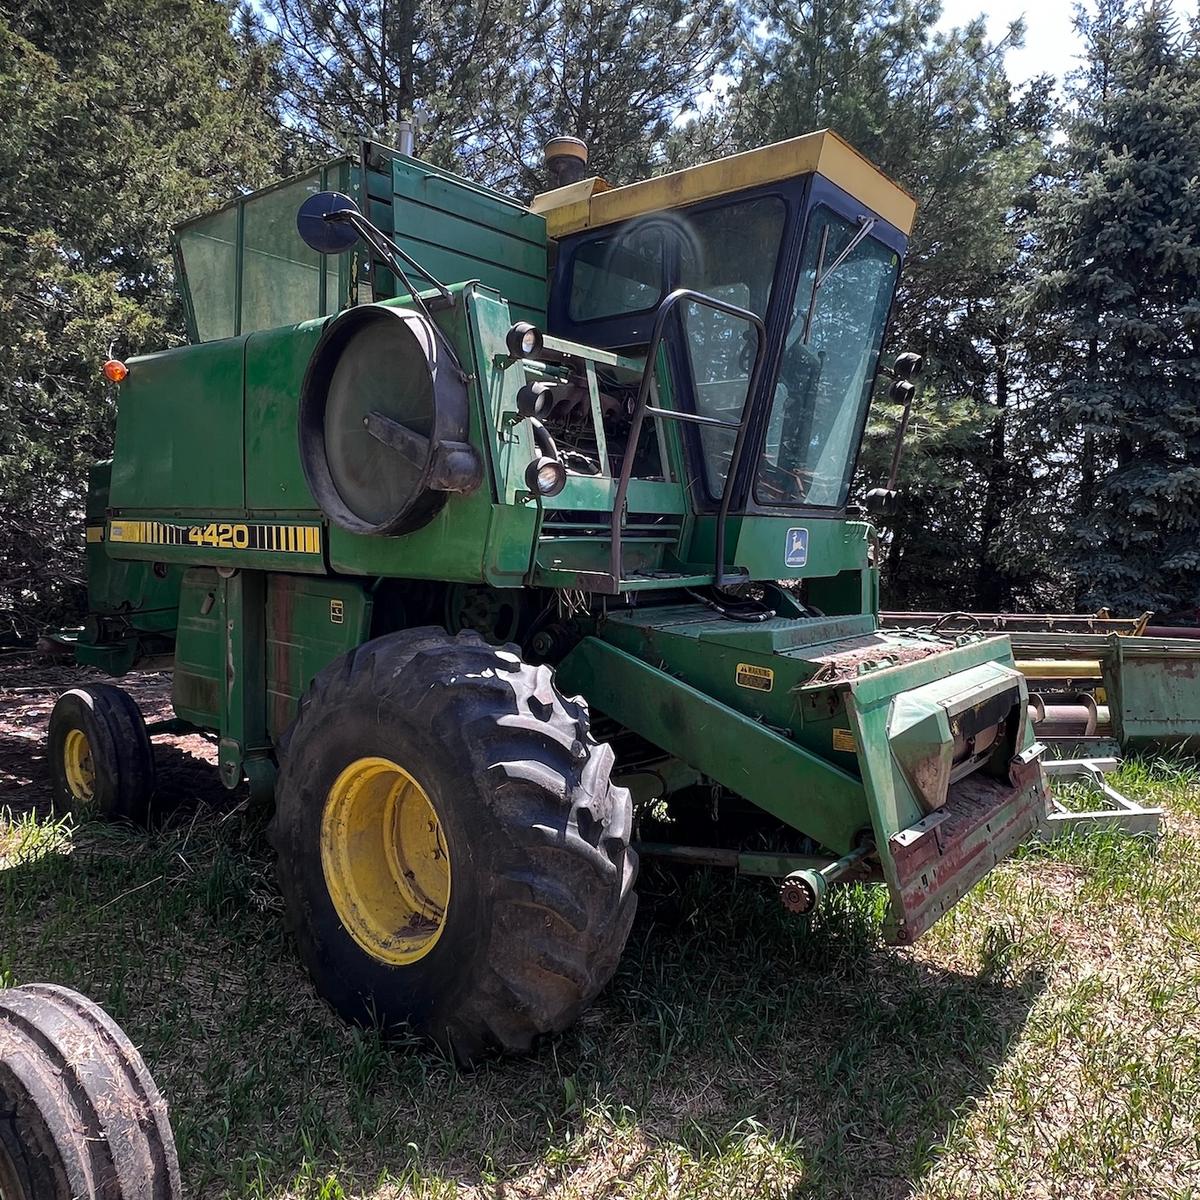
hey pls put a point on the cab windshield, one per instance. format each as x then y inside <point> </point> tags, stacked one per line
<point>828,363</point>
<point>830,349</point>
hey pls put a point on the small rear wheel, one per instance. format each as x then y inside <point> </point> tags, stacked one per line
<point>453,854</point>
<point>101,759</point>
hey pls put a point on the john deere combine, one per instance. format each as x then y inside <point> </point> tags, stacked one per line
<point>482,535</point>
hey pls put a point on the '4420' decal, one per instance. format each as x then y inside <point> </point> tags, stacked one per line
<point>220,535</point>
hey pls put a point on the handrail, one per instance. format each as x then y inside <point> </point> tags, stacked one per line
<point>642,407</point>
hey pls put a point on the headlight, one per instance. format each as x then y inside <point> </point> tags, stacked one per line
<point>545,476</point>
<point>524,340</point>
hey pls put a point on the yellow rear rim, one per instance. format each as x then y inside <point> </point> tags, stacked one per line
<point>77,760</point>
<point>385,861</point>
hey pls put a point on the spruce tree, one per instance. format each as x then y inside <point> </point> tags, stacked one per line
<point>1117,294</point>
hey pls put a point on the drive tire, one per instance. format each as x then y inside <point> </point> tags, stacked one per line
<point>101,759</point>
<point>540,875</point>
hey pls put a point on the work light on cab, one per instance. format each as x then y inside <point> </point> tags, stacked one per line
<point>524,340</point>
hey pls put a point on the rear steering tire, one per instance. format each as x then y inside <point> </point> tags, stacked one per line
<point>452,852</point>
<point>101,759</point>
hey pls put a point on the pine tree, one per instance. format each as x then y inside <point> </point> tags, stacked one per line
<point>1118,297</point>
<point>356,68</point>
<point>619,74</point>
<point>492,80</point>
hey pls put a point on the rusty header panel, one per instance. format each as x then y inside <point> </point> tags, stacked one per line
<point>592,203</point>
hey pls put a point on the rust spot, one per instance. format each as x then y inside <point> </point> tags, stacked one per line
<point>281,706</point>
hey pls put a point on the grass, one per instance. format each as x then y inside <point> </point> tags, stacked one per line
<point>1043,1040</point>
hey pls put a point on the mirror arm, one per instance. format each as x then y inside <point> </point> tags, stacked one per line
<point>387,249</point>
<point>898,449</point>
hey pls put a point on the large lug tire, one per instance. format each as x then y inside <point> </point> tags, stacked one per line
<point>526,886</point>
<point>80,1116</point>
<point>101,759</point>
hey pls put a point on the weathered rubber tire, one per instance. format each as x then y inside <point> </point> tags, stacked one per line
<point>537,838</point>
<point>80,1117</point>
<point>122,756</point>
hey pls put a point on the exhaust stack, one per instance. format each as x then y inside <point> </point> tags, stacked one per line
<point>566,161</point>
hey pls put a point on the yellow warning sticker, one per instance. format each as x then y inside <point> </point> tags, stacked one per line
<point>843,739</point>
<point>749,675</point>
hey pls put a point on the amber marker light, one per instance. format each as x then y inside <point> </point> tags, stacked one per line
<point>115,370</point>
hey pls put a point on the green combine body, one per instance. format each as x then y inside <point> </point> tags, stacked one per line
<point>610,458</point>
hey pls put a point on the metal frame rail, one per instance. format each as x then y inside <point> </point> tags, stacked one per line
<point>1121,814</point>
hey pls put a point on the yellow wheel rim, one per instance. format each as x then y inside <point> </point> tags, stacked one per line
<point>385,861</point>
<point>77,760</point>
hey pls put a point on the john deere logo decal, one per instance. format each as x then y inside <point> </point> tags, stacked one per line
<point>796,550</point>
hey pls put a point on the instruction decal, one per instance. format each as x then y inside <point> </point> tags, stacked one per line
<point>843,739</point>
<point>795,552</point>
<point>758,679</point>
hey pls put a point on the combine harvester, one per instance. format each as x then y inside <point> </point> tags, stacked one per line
<point>460,524</point>
<point>1100,686</point>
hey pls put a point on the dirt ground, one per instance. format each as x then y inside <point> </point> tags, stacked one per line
<point>29,687</point>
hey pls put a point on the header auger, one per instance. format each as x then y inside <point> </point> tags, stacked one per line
<point>484,534</point>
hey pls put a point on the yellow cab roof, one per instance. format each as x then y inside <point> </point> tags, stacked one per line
<point>591,202</point>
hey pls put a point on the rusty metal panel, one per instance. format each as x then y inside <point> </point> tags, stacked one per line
<point>310,622</point>
<point>939,860</point>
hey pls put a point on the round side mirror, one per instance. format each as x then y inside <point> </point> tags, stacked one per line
<point>322,231</point>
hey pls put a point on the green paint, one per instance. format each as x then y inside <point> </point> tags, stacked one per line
<point>179,440</point>
<point>1153,697</point>
<point>743,754</point>
<point>866,749</point>
<point>198,683</point>
<point>275,364</point>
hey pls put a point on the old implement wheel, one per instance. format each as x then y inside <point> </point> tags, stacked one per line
<point>101,760</point>
<point>452,852</point>
<point>80,1117</point>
